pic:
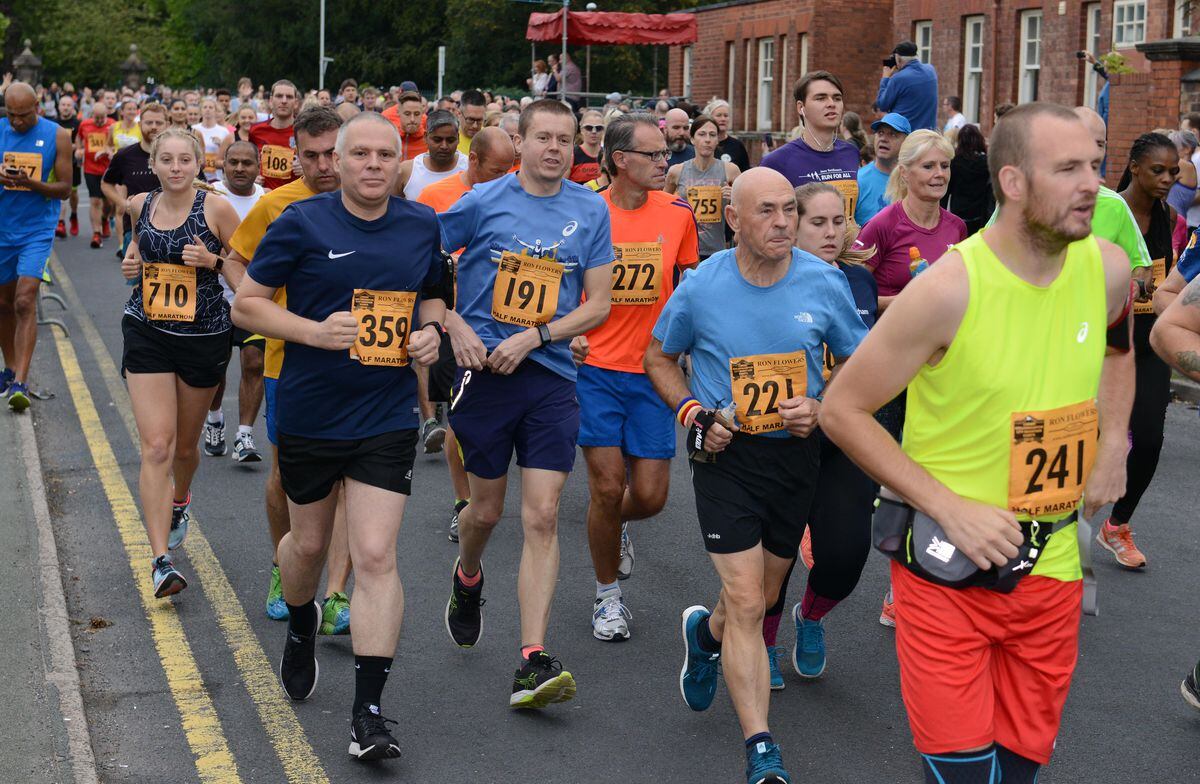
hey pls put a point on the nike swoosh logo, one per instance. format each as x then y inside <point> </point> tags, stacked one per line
<point>333,255</point>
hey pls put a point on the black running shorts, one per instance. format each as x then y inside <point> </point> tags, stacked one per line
<point>309,467</point>
<point>198,360</point>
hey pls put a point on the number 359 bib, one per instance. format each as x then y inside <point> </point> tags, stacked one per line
<point>759,382</point>
<point>1050,458</point>
<point>526,291</point>
<point>384,324</point>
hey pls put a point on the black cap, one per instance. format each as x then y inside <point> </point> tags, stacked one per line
<point>905,49</point>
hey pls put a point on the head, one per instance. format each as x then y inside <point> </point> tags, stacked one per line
<point>348,91</point>
<point>176,157</point>
<point>472,108</point>
<point>677,129</point>
<point>194,115</point>
<point>591,127</point>
<point>819,101</point>
<point>1002,110</point>
<point>922,167</point>
<point>66,107</point>
<point>1191,122</point>
<point>539,66</point>
<point>441,137</point>
<point>1185,141</point>
<point>316,136</point>
<point>367,153</point>
<point>99,110</point>
<point>209,111</point>
<point>246,116</point>
<point>545,140</point>
<point>661,108</point>
<point>1153,165</point>
<point>720,111</point>
<point>1044,162</point>
<point>152,122</point>
<point>821,229</point>
<point>952,104</point>
<point>324,98</point>
<point>970,142</point>
<point>241,167</point>
<point>129,111</point>
<point>178,112</point>
<point>763,213</point>
<point>284,100</point>
<point>491,156</point>
<point>705,134</point>
<point>510,124</point>
<point>223,100</point>
<point>905,52</point>
<point>22,104</point>
<point>245,86</point>
<point>110,100</point>
<point>1095,126</point>
<point>890,133</point>
<point>410,111</point>
<point>632,143</point>
<point>345,110</point>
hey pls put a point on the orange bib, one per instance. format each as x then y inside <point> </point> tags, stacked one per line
<point>526,290</point>
<point>169,292</point>
<point>384,324</point>
<point>637,273</point>
<point>1051,456</point>
<point>759,382</point>
<point>706,202</point>
<point>28,162</point>
<point>276,161</point>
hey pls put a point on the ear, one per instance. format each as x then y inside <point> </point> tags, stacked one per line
<point>1013,183</point>
<point>731,217</point>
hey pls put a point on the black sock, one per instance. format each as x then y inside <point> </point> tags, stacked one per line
<point>708,643</point>
<point>1015,769</point>
<point>370,674</point>
<point>761,737</point>
<point>303,618</point>
<point>962,767</point>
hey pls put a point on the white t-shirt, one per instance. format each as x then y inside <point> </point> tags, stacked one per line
<point>241,205</point>
<point>212,145</point>
<point>1193,213</point>
<point>422,175</point>
<point>957,121</point>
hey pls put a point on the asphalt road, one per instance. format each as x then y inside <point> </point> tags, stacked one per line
<point>187,693</point>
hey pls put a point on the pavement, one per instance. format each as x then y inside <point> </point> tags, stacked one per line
<point>185,690</point>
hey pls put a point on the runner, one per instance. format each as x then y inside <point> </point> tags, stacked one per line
<point>35,175</point>
<point>68,118</point>
<point>93,146</point>
<point>238,170</point>
<point>985,666</point>
<point>754,320</point>
<point>533,243</point>
<point>585,163</point>
<point>346,397</point>
<point>177,114</point>
<point>727,145</point>
<point>706,183</point>
<point>211,133</point>
<point>126,132</point>
<point>471,111</point>
<point>408,115</point>
<point>244,120</point>
<point>890,132</point>
<point>677,132</point>
<point>275,139</point>
<point>442,159</point>
<point>131,171</point>
<point>176,330</point>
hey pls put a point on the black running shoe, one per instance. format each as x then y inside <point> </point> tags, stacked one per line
<point>369,736</point>
<point>464,621</point>
<point>1190,688</point>
<point>298,670</point>
<point>541,681</point>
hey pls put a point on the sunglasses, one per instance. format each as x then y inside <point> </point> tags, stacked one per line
<point>592,128</point>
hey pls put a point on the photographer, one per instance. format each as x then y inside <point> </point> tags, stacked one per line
<point>909,87</point>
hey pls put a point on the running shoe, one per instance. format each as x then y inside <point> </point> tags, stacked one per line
<point>887,615</point>
<point>773,654</point>
<point>74,223</point>
<point>808,657</point>
<point>764,765</point>
<point>610,619</point>
<point>369,735</point>
<point>96,241</point>
<point>335,614</point>
<point>541,681</point>
<point>433,436</point>
<point>60,230</point>
<point>1190,688</point>
<point>167,580</point>
<point>806,548</point>
<point>180,518</point>
<point>298,669</point>
<point>276,607</point>
<point>6,380</point>
<point>464,619</point>
<point>214,439</point>
<point>1118,540</point>
<point>106,228</point>
<point>18,397</point>
<point>458,507</point>
<point>625,567</point>
<point>244,450</point>
<point>701,669</point>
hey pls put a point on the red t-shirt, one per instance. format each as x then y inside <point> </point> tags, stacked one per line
<point>97,140</point>
<point>276,150</point>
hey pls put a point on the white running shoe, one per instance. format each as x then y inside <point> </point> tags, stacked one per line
<point>610,619</point>
<point>625,568</point>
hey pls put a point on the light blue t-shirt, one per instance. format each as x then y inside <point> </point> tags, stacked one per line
<point>871,186</point>
<point>716,315</point>
<point>571,227</point>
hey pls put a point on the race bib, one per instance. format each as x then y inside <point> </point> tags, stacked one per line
<point>849,191</point>
<point>276,162</point>
<point>637,273</point>
<point>96,142</point>
<point>706,202</point>
<point>1050,459</point>
<point>210,162</point>
<point>169,292</point>
<point>384,324</point>
<point>760,382</point>
<point>28,162</point>
<point>828,364</point>
<point>526,291</point>
<point>1158,272</point>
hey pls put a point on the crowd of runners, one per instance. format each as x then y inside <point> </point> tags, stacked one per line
<point>852,359</point>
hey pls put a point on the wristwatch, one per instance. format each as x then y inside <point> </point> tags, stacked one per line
<point>220,263</point>
<point>544,334</point>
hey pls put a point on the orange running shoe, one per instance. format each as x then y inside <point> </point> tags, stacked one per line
<point>806,547</point>
<point>887,616</point>
<point>1118,540</point>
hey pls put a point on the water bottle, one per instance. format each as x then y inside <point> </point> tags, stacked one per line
<point>916,264</point>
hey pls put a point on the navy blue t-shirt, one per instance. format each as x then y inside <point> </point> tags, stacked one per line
<point>321,253</point>
<point>864,290</point>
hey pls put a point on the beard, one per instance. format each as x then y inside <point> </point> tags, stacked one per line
<point>677,145</point>
<point>1047,231</point>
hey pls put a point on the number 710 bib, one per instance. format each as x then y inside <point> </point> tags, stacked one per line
<point>1050,458</point>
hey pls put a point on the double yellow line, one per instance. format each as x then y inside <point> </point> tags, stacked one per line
<point>201,725</point>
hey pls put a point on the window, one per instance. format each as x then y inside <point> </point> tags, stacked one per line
<point>784,88</point>
<point>1031,55</point>
<point>1129,23</point>
<point>746,92</point>
<point>1182,25</point>
<point>923,36</point>
<point>1091,80</point>
<point>972,66</point>
<point>730,52</point>
<point>766,82</point>
<point>687,71</point>
<point>803,54</point>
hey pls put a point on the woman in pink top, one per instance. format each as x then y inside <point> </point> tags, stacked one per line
<point>915,218</point>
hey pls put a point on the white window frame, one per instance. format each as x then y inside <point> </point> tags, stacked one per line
<point>1092,43</point>
<point>803,54</point>
<point>687,72</point>
<point>972,76</point>
<point>923,36</point>
<point>1031,55</point>
<point>784,89</point>
<point>746,91</point>
<point>766,83</point>
<point>1181,24</point>
<point>1129,23</point>
<point>731,53</point>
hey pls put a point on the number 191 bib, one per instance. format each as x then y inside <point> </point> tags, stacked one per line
<point>1050,458</point>
<point>384,324</point>
<point>526,291</point>
<point>169,292</point>
<point>759,382</point>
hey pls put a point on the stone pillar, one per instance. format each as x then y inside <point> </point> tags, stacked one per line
<point>27,67</point>
<point>133,69</point>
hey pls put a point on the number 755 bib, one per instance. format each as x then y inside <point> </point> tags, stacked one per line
<point>1050,458</point>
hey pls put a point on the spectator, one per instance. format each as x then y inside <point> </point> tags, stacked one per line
<point>729,148</point>
<point>611,101</point>
<point>910,88</point>
<point>954,117</point>
<point>660,110</point>
<point>969,193</point>
<point>539,82</point>
<point>552,84</point>
<point>678,135</point>
<point>1001,110</point>
<point>852,130</point>
<point>1183,192</point>
<point>890,132</point>
<point>572,80</point>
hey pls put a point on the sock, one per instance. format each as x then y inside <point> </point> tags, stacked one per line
<point>603,589</point>
<point>969,767</point>
<point>7,375</point>
<point>303,618</point>
<point>761,737</point>
<point>704,636</point>
<point>771,628</point>
<point>370,674</point>
<point>187,500</point>
<point>245,429</point>
<point>216,417</point>
<point>815,607</point>
<point>529,650</point>
<point>461,504</point>
<point>468,580</point>
<point>1015,769</point>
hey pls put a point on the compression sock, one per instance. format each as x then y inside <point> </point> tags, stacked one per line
<point>1015,769</point>
<point>704,636</point>
<point>303,618</point>
<point>771,627</point>
<point>815,607</point>
<point>370,675</point>
<point>529,650</point>
<point>968,767</point>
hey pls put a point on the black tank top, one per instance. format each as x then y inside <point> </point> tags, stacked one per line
<point>1158,242</point>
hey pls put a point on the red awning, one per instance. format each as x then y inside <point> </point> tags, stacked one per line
<point>586,28</point>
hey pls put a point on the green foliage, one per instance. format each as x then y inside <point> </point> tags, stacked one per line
<point>1114,63</point>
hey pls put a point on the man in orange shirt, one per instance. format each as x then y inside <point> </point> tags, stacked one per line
<point>623,422</point>
<point>409,118</point>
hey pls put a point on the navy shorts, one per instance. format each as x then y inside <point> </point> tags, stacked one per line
<point>533,410</point>
<point>622,409</point>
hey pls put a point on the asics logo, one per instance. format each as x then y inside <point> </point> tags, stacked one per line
<point>570,228</point>
<point>1083,332</point>
<point>333,255</point>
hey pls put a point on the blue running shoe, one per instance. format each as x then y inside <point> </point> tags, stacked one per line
<point>809,655</point>
<point>18,397</point>
<point>701,669</point>
<point>764,765</point>
<point>179,523</point>
<point>773,654</point>
<point>167,580</point>
<point>276,607</point>
<point>6,379</point>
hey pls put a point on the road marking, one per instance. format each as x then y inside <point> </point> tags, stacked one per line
<point>300,762</point>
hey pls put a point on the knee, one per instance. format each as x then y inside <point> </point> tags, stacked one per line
<point>187,452</point>
<point>540,519</point>
<point>158,450</point>
<point>484,514</point>
<point>252,363</point>
<point>376,562</point>
<point>744,602</point>
<point>310,547</point>
<point>25,304</point>
<point>607,491</point>
<point>650,499</point>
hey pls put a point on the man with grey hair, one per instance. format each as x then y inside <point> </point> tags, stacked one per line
<point>345,403</point>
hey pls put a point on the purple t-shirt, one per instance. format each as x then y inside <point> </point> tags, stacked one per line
<point>892,234</point>
<point>801,164</point>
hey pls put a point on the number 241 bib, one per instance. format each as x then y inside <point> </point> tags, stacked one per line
<point>1051,455</point>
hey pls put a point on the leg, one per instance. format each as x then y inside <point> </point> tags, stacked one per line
<point>152,396</point>
<point>24,325</point>
<point>193,402</point>
<point>373,517</point>
<point>95,208</point>
<point>340,549</point>
<point>1146,423</point>
<point>840,525</point>
<point>736,622</point>
<point>426,407</point>
<point>540,493</point>
<point>217,398</point>
<point>8,322</point>
<point>646,494</point>
<point>250,389</point>
<point>302,551</point>
<point>606,485</point>
<point>477,521</point>
<point>458,474</point>
<point>278,515</point>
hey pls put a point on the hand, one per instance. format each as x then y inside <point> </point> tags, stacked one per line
<point>423,346</point>
<point>799,415</point>
<point>1106,484</point>
<point>726,193</point>
<point>512,351</point>
<point>888,71</point>
<point>1146,276</point>
<point>297,171</point>
<point>985,534</point>
<point>580,349</point>
<point>131,265</point>
<point>336,332</point>
<point>717,435</point>
<point>14,178</point>
<point>197,255</point>
<point>469,351</point>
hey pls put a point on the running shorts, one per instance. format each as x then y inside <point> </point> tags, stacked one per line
<point>622,409</point>
<point>242,338</point>
<point>93,185</point>
<point>442,372</point>
<point>309,467</point>
<point>269,408</point>
<point>26,258</point>
<point>978,666</point>
<point>198,360</point>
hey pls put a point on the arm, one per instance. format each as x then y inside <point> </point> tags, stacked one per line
<point>423,344</point>
<point>113,192</point>
<point>254,310</point>
<point>1176,334</point>
<point>1165,294</point>
<point>673,179</point>
<point>402,180</point>
<point>885,99</point>
<point>60,188</point>
<point>131,265</point>
<point>666,376</point>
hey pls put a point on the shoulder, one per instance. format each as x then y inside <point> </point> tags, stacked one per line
<point>139,201</point>
<point>1116,261</point>
<point>414,211</point>
<point>955,221</point>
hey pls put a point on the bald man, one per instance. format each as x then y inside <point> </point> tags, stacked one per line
<point>677,131</point>
<point>35,176</point>
<point>754,319</point>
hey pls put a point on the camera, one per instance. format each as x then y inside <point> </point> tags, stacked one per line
<point>890,62</point>
<point>1081,54</point>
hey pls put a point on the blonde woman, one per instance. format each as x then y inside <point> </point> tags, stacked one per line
<point>176,331</point>
<point>211,133</point>
<point>729,148</point>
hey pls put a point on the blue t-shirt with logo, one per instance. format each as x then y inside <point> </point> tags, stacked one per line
<point>571,228</point>
<point>716,314</point>
<point>1189,261</point>
<point>872,184</point>
<point>322,253</point>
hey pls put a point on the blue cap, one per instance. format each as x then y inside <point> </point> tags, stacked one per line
<point>897,121</point>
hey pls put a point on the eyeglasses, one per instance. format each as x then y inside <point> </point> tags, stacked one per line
<point>658,156</point>
<point>592,128</point>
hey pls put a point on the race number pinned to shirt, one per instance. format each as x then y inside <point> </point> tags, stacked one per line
<point>384,324</point>
<point>706,202</point>
<point>849,191</point>
<point>169,292</point>
<point>28,162</point>
<point>526,291</point>
<point>96,143</point>
<point>1158,273</point>
<point>276,161</point>
<point>1051,456</point>
<point>210,162</point>
<point>637,273</point>
<point>759,382</point>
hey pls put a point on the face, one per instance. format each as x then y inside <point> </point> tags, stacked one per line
<point>1061,183</point>
<point>247,117</point>
<point>643,170</point>
<point>370,162</point>
<point>887,143</point>
<point>705,140</point>
<point>110,100</point>
<point>546,148</point>
<point>442,142</point>
<point>176,164</point>
<point>822,227</point>
<point>208,111</point>
<point>324,98</point>
<point>493,166</point>
<point>66,107</point>
<point>591,128</point>
<point>223,104</point>
<point>194,115</point>
<point>410,116</point>
<point>283,101</point>
<point>152,124</point>
<point>1156,171</point>
<point>472,120</point>
<point>721,115</point>
<point>22,113</point>
<point>99,111</point>
<point>676,130</point>
<point>929,176</point>
<point>129,112</point>
<point>316,160</point>
<point>765,220</point>
<point>241,167</point>
<point>822,108</point>
<point>178,113</point>
<point>350,93</point>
